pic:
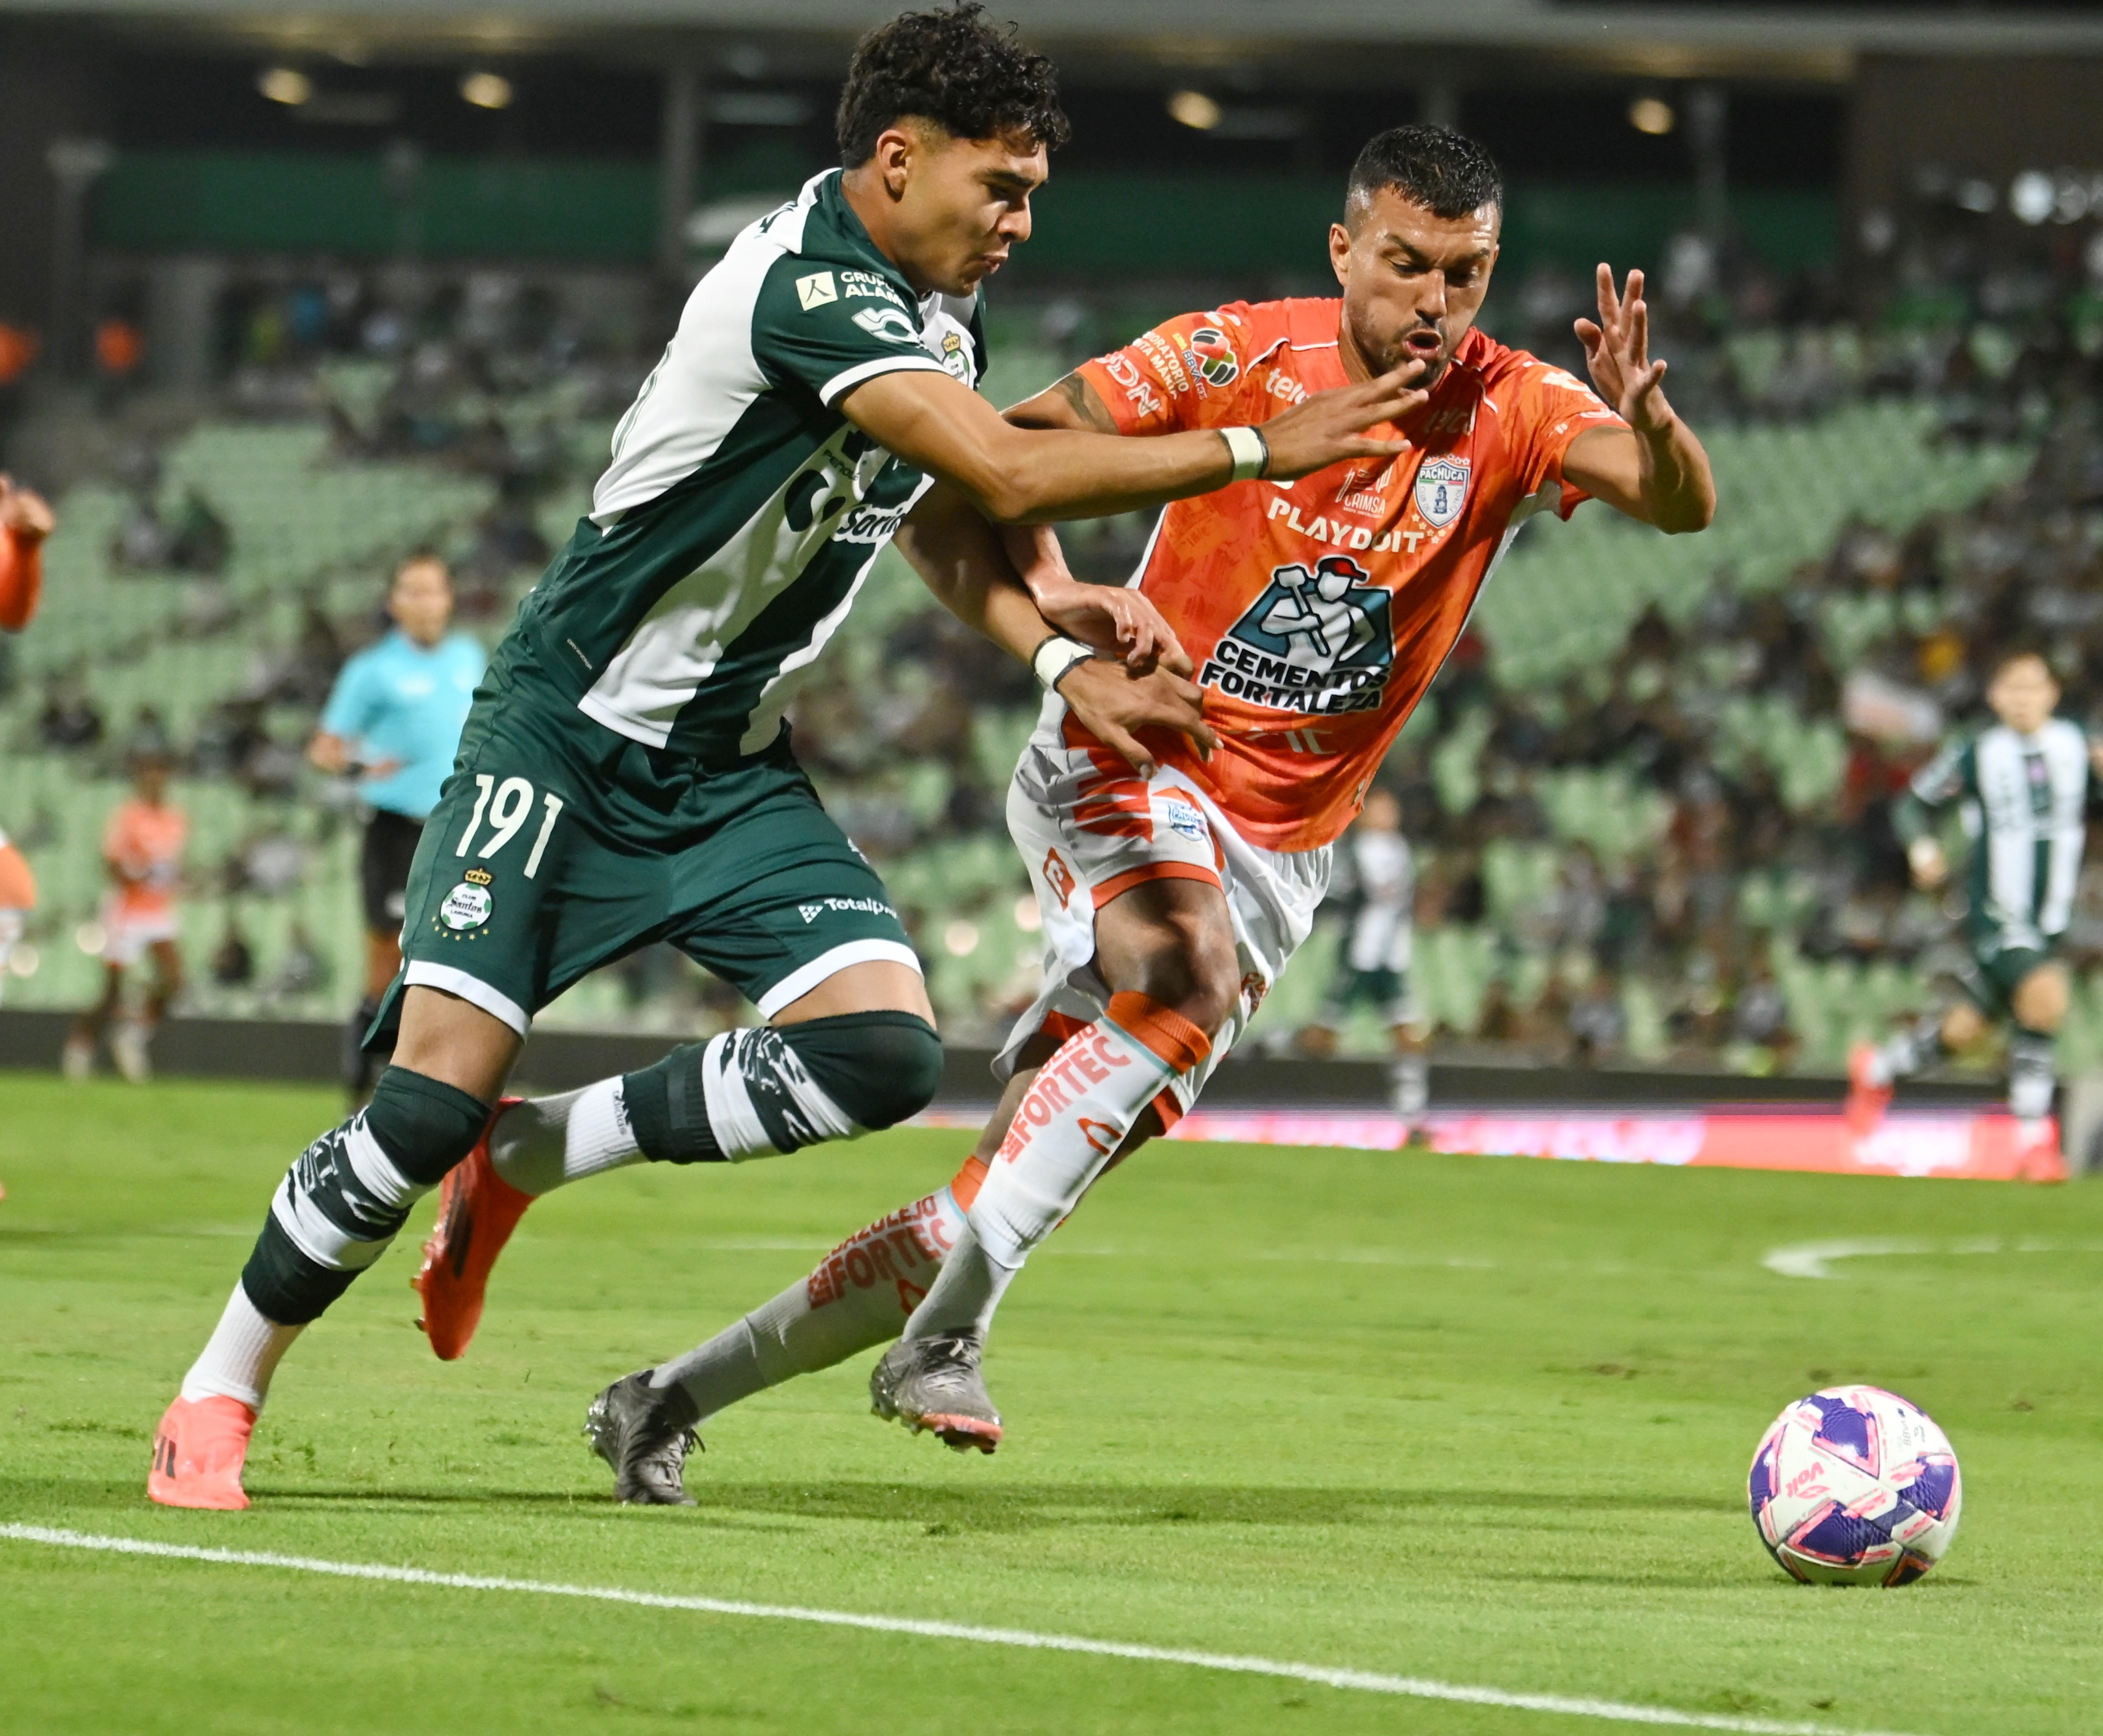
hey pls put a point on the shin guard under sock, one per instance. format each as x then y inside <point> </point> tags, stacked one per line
<point>756,1091</point>
<point>349,1192</point>
<point>1067,1128</point>
<point>858,1297</point>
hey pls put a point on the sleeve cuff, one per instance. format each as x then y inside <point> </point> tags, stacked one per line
<point>847,378</point>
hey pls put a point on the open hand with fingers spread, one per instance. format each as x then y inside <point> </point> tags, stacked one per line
<point>1617,352</point>
<point>1114,705</point>
<point>1329,427</point>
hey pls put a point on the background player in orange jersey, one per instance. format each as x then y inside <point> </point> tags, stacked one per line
<point>142,850</point>
<point>26,521</point>
<point>1317,612</point>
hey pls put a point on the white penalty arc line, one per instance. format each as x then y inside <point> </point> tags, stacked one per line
<point>1363,1680</point>
<point>1814,1259</point>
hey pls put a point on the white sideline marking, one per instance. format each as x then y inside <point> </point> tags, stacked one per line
<point>1365,1680</point>
<point>1812,1259</point>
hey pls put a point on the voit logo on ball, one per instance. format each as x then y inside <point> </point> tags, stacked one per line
<point>1317,640</point>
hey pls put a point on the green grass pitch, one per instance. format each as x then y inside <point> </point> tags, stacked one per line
<point>1484,1420</point>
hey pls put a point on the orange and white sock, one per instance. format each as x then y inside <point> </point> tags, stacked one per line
<point>1068,1127</point>
<point>858,1297</point>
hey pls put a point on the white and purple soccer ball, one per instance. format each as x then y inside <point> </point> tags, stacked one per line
<point>1855,1486</point>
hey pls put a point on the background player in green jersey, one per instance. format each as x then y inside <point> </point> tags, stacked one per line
<point>2022,789</point>
<point>625,776</point>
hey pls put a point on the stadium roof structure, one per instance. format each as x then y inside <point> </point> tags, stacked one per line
<point>1662,38</point>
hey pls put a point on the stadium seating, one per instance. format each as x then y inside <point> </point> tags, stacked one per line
<point>312,525</point>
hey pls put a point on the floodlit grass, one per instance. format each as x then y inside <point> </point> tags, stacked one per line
<point>1486,1421</point>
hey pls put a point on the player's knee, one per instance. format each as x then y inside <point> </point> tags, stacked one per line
<point>881,1068</point>
<point>1962,1026</point>
<point>1207,979</point>
<point>2040,999</point>
<point>423,1125</point>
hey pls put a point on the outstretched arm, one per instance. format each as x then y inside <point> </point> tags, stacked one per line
<point>1654,469</point>
<point>1037,474</point>
<point>960,558</point>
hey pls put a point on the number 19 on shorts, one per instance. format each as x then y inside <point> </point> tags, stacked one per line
<point>508,805</point>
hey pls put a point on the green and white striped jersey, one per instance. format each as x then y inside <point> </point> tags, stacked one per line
<point>2024,802</point>
<point>742,512</point>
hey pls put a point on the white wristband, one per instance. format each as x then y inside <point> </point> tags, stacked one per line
<point>1249,451</point>
<point>1054,656</point>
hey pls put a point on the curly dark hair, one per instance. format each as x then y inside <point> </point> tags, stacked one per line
<point>969,77</point>
<point>1445,171</point>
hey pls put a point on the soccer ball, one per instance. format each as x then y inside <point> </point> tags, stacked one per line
<point>1855,1486</point>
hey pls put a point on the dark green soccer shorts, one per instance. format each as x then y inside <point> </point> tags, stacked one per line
<point>1991,976</point>
<point>558,846</point>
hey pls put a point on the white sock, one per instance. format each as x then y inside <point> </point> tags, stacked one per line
<point>1912,1051</point>
<point>2031,1075</point>
<point>858,1297</point>
<point>241,1355</point>
<point>1068,1124</point>
<point>544,1143</point>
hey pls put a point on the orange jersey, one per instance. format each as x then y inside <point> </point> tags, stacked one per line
<point>1319,611</point>
<point>145,844</point>
<point>21,578</point>
<point>18,886</point>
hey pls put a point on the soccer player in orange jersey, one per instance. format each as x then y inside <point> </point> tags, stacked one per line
<point>1317,612</point>
<point>26,521</point>
<point>142,851</point>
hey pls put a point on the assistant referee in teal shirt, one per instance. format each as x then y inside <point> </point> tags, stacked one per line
<point>393,721</point>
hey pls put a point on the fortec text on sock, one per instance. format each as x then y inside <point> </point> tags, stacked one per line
<point>905,1249</point>
<point>1093,1059</point>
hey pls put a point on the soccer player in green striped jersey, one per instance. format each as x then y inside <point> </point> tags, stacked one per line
<point>626,774</point>
<point>2022,789</point>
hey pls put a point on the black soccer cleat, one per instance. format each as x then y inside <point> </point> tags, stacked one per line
<point>934,1384</point>
<point>645,1433</point>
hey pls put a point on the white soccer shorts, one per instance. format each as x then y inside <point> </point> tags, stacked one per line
<point>1089,827</point>
<point>126,938</point>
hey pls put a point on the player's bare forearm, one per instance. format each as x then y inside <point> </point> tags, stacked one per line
<point>961,560</point>
<point>1677,487</point>
<point>959,557</point>
<point>1108,617</point>
<point>1660,475</point>
<point>1039,475</point>
<point>1069,403</point>
<point>1019,476</point>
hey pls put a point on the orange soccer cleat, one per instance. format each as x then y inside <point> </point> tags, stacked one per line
<point>478,1211</point>
<point>198,1451</point>
<point>1868,1094</point>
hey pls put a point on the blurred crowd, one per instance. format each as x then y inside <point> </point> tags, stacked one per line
<point>1747,756</point>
